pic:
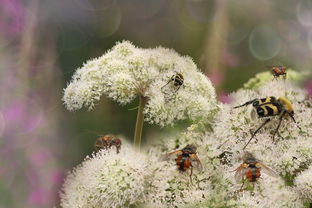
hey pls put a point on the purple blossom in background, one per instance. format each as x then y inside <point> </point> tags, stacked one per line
<point>309,88</point>
<point>224,97</point>
<point>12,14</point>
<point>21,117</point>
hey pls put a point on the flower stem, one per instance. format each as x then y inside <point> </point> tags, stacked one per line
<point>139,123</point>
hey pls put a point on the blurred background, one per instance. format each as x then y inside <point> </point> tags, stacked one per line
<point>43,42</point>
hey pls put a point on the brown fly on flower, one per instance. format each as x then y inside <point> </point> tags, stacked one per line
<point>107,141</point>
<point>278,71</point>
<point>251,169</point>
<point>186,159</point>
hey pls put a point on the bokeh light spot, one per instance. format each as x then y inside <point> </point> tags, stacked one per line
<point>310,39</point>
<point>108,21</point>
<point>72,37</point>
<point>304,14</point>
<point>200,10</point>
<point>264,42</point>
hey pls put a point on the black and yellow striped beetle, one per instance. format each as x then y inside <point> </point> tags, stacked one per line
<point>270,107</point>
<point>177,80</point>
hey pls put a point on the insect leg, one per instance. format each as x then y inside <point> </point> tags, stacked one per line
<point>292,117</point>
<point>191,174</point>
<point>171,79</point>
<point>177,89</point>
<point>279,124</point>
<point>252,136</point>
<point>241,188</point>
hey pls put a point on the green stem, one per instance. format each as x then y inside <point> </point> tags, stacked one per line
<point>139,123</point>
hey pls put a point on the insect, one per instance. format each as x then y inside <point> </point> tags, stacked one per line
<point>186,159</point>
<point>278,71</point>
<point>177,80</point>
<point>107,141</point>
<point>251,169</point>
<point>269,107</point>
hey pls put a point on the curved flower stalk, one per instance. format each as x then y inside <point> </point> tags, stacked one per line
<point>263,78</point>
<point>126,72</point>
<point>107,179</point>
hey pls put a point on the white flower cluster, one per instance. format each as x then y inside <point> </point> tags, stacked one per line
<point>303,185</point>
<point>289,155</point>
<point>129,178</point>
<point>107,179</point>
<point>125,72</point>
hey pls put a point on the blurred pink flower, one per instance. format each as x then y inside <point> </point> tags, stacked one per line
<point>39,197</point>
<point>12,17</point>
<point>20,116</point>
<point>40,157</point>
<point>216,77</point>
<point>309,88</point>
<point>224,97</point>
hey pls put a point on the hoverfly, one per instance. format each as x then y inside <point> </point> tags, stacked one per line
<point>278,71</point>
<point>186,159</point>
<point>177,80</point>
<point>107,141</point>
<point>251,169</point>
<point>270,107</point>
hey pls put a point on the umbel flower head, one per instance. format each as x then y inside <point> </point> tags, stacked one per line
<point>289,156</point>
<point>292,148</point>
<point>126,72</point>
<point>107,179</point>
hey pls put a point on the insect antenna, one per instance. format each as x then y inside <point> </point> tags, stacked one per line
<point>253,135</point>
<point>247,103</point>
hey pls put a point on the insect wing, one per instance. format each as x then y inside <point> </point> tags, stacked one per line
<point>196,162</point>
<point>240,173</point>
<point>266,169</point>
<point>170,155</point>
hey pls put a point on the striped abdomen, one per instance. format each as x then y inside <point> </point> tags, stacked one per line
<point>183,162</point>
<point>271,109</point>
<point>253,173</point>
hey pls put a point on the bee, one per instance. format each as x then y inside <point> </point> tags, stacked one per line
<point>269,107</point>
<point>186,159</point>
<point>278,71</point>
<point>251,169</point>
<point>177,80</point>
<point>107,141</point>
